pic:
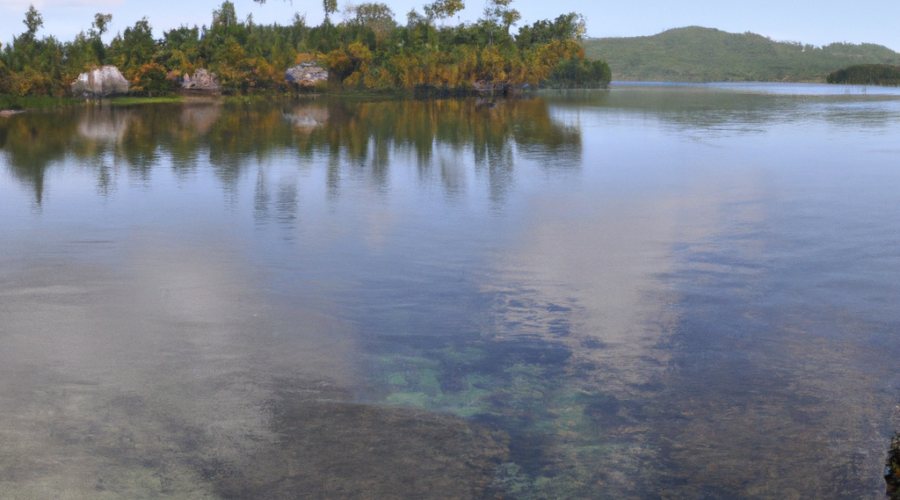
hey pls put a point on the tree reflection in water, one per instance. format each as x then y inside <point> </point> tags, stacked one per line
<point>439,134</point>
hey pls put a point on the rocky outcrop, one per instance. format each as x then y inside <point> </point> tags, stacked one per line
<point>202,80</point>
<point>306,74</point>
<point>101,82</point>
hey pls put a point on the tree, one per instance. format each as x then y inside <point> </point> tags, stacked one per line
<point>33,21</point>
<point>134,48</point>
<point>499,12</point>
<point>150,78</point>
<point>98,28</point>
<point>225,16</point>
<point>443,9</point>
<point>101,23</point>
<point>351,61</point>
<point>566,27</point>
<point>330,7</point>
<point>376,16</point>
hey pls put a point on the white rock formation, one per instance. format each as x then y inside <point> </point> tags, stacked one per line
<point>306,74</point>
<point>101,82</point>
<point>202,80</point>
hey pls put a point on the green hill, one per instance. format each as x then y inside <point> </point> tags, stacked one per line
<point>696,54</point>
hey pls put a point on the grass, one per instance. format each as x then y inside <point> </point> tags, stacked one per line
<point>34,102</point>
<point>133,100</point>
<point>46,102</point>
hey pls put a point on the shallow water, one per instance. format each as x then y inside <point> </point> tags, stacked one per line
<point>656,292</point>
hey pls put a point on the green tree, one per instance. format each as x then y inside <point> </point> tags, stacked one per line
<point>565,27</point>
<point>98,28</point>
<point>443,9</point>
<point>330,7</point>
<point>225,15</point>
<point>376,16</point>
<point>134,48</point>
<point>101,23</point>
<point>499,12</point>
<point>33,21</point>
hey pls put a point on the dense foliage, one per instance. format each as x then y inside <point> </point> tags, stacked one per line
<point>866,74</point>
<point>368,50</point>
<point>696,54</point>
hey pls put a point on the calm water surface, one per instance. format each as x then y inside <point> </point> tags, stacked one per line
<point>650,292</point>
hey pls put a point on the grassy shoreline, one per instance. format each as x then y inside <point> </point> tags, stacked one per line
<point>21,103</point>
<point>18,103</point>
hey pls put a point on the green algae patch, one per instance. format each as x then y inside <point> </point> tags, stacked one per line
<point>569,437</point>
<point>414,399</point>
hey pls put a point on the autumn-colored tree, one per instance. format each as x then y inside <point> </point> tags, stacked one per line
<point>150,78</point>
<point>349,64</point>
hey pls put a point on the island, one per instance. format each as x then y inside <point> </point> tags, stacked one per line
<point>369,51</point>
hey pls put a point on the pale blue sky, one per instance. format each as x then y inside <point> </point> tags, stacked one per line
<point>818,23</point>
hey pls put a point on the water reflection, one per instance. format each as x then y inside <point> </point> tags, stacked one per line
<point>362,136</point>
<point>623,294</point>
<point>708,112</point>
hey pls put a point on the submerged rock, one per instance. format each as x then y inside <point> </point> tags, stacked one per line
<point>343,451</point>
<point>101,82</point>
<point>202,80</point>
<point>306,74</point>
<point>892,469</point>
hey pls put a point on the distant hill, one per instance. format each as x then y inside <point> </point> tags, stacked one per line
<point>696,54</point>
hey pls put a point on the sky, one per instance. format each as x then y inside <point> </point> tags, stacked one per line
<point>811,22</point>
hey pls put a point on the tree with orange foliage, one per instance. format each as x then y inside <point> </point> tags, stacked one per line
<point>150,78</point>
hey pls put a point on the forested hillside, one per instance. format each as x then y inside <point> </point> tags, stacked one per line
<point>695,54</point>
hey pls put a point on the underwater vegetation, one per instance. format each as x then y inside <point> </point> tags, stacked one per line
<point>564,441</point>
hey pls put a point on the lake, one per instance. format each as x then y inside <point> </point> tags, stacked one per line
<point>646,292</point>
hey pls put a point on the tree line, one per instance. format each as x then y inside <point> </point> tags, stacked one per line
<point>866,74</point>
<point>368,49</point>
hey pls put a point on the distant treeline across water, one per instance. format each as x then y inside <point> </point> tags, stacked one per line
<point>866,74</point>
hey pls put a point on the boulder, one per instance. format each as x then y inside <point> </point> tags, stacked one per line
<point>101,82</point>
<point>306,74</point>
<point>202,80</point>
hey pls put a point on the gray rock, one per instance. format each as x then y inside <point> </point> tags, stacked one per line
<point>202,80</point>
<point>306,74</point>
<point>101,82</point>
